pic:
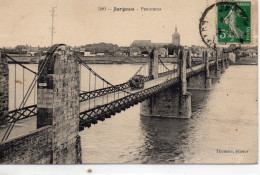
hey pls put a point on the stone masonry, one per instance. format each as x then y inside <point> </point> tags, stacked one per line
<point>174,102</point>
<point>3,89</point>
<point>33,148</point>
<point>56,140</point>
<point>201,81</point>
<point>153,63</point>
<point>58,104</point>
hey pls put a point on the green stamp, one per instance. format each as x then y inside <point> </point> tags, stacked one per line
<point>234,22</point>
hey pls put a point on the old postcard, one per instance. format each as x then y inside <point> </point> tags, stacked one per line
<point>129,82</point>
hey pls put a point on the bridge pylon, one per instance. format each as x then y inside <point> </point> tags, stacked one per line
<point>58,103</point>
<point>153,65</point>
<point>226,59</point>
<point>202,80</point>
<point>174,101</point>
<point>217,54</point>
<point>223,66</point>
<point>4,91</point>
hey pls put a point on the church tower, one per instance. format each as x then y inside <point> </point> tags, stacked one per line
<point>176,38</point>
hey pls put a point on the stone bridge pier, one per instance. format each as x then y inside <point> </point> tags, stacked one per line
<point>4,89</point>
<point>218,66</point>
<point>58,104</point>
<point>56,139</point>
<point>226,59</point>
<point>202,80</point>
<point>175,101</point>
<point>221,63</point>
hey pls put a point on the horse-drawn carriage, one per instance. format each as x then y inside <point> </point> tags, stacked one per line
<point>137,82</point>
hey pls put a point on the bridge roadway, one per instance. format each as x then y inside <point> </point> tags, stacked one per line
<point>91,103</point>
<point>99,108</point>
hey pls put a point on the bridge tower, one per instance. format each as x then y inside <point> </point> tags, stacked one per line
<point>4,77</point>
<point>217,54</point>
<point>153,63</point>
<point>223,65</point>
<point>175,101</point>
<point>226,59</point>
<point>202,80</point>
<point>58,104</point>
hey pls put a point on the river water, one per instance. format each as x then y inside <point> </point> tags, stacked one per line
<point>224,118</point>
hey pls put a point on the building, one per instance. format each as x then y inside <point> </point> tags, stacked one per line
<point>100,54</point>
<point>163,52</point>
<point>251,52</point>
<point>140,43</point>
<point>89,54</point>
<point>176,38</point>
<point>134,51</point>
<point>82,49</point>
<point>139,47</point>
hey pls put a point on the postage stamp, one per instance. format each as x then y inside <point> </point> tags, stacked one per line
<point>234,22</point>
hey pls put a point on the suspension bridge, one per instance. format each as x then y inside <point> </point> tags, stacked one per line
<point>54,95</point>
<point>106,99</point>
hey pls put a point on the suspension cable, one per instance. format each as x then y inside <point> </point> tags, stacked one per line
<point>139,70</point>
<point>28,93</point>
<point>16,62</point>
<point>97,75</point>
<point>163,64</point>
<point>23,83</point>
<point>15,86</point>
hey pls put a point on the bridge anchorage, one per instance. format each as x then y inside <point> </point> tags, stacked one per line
<point>63,109</point>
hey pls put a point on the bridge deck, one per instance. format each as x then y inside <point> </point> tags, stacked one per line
<point>93,110</point>
<point>92,103</point>
<point>88,104</point>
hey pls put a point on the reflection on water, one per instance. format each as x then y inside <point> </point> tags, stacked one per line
<point>224,118</point>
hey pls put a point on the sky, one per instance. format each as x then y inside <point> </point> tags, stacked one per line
<point>79,22</point>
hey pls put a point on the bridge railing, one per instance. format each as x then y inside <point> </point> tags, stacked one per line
<point>167,73</point>
<point>104,91</point>
<point>23,113</point>
<point>101,112</point>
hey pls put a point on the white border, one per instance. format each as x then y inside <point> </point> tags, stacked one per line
<point>136,169</point>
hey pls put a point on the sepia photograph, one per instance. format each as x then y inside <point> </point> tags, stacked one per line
<point>128,82</point>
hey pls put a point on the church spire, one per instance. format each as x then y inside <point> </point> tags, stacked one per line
<point>176,37</point>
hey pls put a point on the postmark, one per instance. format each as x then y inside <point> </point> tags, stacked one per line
<point>231,28</point>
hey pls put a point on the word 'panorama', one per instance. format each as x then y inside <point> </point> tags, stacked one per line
<point>123,9</point>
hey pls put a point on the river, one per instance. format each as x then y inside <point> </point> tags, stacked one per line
<point>224,118</point>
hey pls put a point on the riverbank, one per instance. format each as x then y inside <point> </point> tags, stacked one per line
<point>246,61</point>
<point>122,60</point>
<point>100,60</point>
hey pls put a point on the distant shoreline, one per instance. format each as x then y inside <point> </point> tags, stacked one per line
<point>129,60</point>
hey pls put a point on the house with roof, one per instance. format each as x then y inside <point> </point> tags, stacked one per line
<point>251,52</point>
<point>33,50</point>
<point>147,45</point>
<point>163,52</point>
<point>135,51</point>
